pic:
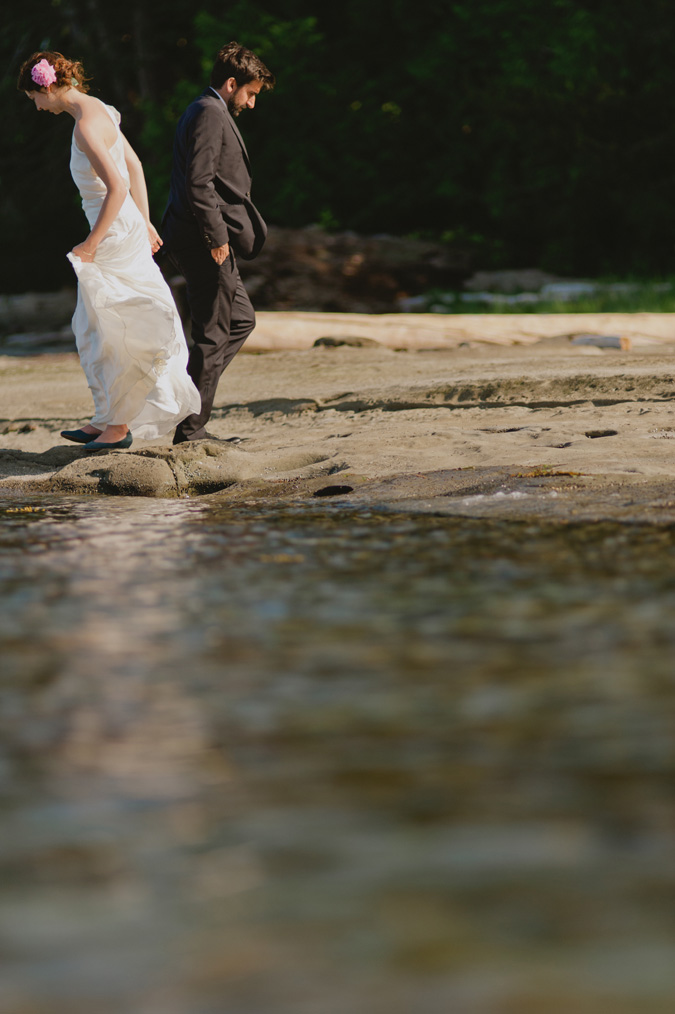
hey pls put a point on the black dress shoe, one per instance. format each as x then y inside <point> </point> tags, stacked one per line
<point>79,436</point>
<point>116,445</point>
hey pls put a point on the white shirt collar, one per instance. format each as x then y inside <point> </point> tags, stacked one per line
<point>219,95</point>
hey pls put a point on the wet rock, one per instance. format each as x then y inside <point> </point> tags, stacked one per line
<point>117,474</point>
<point>208,466</point>
<point>194,468</point>
<point>204,466</point>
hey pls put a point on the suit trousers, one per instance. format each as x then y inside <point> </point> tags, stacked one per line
<point>222,319</point>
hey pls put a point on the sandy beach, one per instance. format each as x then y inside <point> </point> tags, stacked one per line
<point>483,403</point>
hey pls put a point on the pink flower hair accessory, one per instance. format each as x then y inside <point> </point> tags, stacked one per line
<point>43,74</point>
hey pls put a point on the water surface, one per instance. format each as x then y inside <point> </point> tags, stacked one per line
<point>272,759</point>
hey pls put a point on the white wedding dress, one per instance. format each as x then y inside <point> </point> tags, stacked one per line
<point>128,332</point>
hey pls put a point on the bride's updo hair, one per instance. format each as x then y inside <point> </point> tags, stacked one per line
<point>69,73</point>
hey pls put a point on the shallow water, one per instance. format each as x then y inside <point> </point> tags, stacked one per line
<point>267,759</point>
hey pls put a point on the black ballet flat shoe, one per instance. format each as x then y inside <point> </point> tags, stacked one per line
<point>116,445</point>
<point>79,436</point>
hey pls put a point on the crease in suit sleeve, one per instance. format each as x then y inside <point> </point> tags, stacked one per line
<point>203,155</point>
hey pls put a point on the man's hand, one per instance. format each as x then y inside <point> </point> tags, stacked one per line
<point>221,253</point>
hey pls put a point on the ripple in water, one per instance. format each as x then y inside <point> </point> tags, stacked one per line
<point>261,759</point>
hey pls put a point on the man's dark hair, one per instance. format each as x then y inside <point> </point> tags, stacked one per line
<point>240,63</point>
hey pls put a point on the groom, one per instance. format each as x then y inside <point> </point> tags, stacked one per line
<point>210,221</point>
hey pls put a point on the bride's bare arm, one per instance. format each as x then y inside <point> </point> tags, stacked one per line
<point>139,191</point>
<point>91,140</point>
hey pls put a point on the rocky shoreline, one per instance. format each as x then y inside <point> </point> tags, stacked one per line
<point>476,429</point>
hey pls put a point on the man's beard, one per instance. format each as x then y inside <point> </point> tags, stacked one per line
<point>234,109</point>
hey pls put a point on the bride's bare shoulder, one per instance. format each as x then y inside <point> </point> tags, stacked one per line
<point>95,123</point>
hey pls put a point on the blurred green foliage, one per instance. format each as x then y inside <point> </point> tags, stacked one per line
<point>536,133</point>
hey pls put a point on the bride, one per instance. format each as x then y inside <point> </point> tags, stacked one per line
<point>129,336</point>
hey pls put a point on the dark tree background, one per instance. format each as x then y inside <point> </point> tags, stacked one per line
<point>538,132</point>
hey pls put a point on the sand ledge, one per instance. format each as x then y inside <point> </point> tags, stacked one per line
<point>370,415</point>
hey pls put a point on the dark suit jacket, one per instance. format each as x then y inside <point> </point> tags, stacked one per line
<point>210,195</point>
